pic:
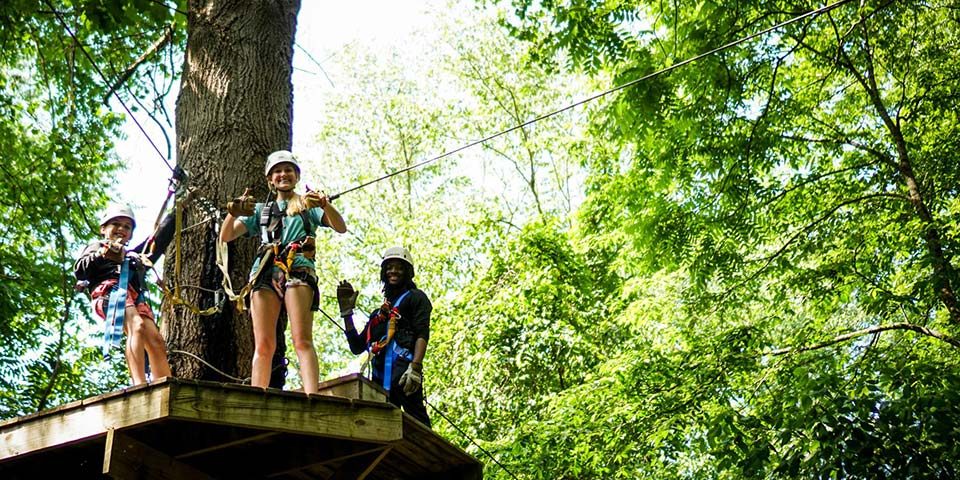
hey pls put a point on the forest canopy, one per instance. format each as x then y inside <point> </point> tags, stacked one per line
<point>742,268</point>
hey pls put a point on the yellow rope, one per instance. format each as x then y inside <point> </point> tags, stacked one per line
<point>174,297</point>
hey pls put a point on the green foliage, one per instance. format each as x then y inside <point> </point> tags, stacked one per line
<point>453,214</point>
<point>765,198</point>
<point>740,213</point>
<point>520,335</point>
<point>58,137</point>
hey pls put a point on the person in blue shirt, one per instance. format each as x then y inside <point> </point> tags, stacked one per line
<point>284,273</point>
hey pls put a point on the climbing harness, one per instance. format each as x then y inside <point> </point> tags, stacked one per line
<point>271,253</point>
<point>173,296</point>
<point>178,185</point>
<point>271,223</point>
<point>113,332</point>
<point>387,345</point>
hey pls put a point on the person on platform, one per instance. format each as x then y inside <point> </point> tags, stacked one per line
<point>396,334</point>
<point>115,277</point>
<point>284,272</point>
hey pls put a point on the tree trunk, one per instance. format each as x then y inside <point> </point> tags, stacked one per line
<point>235,107</point>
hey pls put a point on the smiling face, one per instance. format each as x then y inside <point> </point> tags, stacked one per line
<point>283,177</point>
<point>117,229</point>
<point>394,272</point>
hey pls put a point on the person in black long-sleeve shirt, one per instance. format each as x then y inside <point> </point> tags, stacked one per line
<point>100,267</point>
<point>396,333</point>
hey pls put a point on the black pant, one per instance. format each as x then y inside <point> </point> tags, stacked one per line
<point>413,403</point>
<point>278,365</point>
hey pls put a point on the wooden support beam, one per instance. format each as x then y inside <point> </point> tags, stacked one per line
<point>288,412</point>
<point>125,457</point>
<point>361,466</point>
<point>373,464</point>
<point>221,446</point>
<point>333,459</point>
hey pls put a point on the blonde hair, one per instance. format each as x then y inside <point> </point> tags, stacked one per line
<point>296,205</point>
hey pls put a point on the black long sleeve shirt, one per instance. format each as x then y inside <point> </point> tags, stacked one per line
<point>414,323</point>
<point>96,269</point>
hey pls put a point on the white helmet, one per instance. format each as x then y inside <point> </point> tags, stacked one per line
<point>117,210</point>
<point>400,253</point>
<point>278,157</point>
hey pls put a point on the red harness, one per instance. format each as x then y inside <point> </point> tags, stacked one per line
<point>387,313</point>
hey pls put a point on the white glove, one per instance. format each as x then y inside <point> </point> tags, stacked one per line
<point>411,380</point>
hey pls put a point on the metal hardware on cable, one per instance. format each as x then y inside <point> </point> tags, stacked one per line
<point>178,185</point>
<point>174,296</point>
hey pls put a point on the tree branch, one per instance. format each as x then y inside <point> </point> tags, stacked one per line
<point>806,228</point>
<point>66,288</point>
<point>867,331</point>
<point>843,140</point>
<point>129,71</point>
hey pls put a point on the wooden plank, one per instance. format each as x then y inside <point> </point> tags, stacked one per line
<point>125,457</point>
<point>297,413</point>
<point>353,386</point>
<point>336,457</point>
<point>83,421</point>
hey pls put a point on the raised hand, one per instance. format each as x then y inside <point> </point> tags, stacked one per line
<point>346,298</point>
<point>316,199</point>
<point>242,206</point>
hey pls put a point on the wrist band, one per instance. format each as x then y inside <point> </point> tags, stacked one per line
<point>347,313</point>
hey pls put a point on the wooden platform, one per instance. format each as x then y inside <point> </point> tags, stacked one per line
<point>180,429</point>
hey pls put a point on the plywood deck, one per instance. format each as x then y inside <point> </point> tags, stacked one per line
<point>189,429</point>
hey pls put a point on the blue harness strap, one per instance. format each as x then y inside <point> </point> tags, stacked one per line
<point>392,351</point>
<point>115,311</point>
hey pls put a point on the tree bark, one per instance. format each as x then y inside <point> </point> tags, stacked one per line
<point>235,107</point>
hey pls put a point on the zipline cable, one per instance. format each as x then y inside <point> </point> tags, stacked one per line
<point>217,370</point>
<point>342,329</point>
<point>211,367</point>
<point>106,81</point>
<point>591,98</point>
<point>170,7</point>
<point>457,428</point>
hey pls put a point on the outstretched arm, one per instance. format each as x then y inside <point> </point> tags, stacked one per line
<point>331,217</point>
<point>231,228</point>
<point>334,219</point>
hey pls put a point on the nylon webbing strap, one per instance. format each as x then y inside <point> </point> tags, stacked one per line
<point>388,366</point>
<point>174,296</point>
<point>115,311</point>
<point>391,352</point>
<point>222,262</point>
